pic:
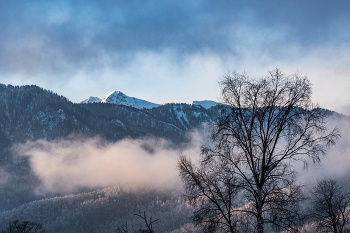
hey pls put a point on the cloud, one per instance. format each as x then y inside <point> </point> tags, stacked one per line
<point>172,51</point>
<point>4,177</point>
<point>66,165</point>
<point>64,36</point>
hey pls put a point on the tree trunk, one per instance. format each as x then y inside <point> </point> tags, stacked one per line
<point>260,221</point>
<point>260,224</point>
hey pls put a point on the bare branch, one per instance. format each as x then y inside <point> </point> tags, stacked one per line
<point>265,125</point>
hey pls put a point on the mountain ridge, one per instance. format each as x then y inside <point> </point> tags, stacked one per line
<point>119,98</point>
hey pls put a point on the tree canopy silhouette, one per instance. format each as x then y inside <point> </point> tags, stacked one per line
<point>265,125</point>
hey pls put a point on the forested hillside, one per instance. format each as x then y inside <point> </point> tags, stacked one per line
<point>29,113</point>
<point>104,210</point>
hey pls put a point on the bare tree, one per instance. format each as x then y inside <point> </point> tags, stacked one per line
<point>123,228</point>
<point>212,188</point>
<point>266,125</point>
<point>329,206</point>
<point>149,222</point>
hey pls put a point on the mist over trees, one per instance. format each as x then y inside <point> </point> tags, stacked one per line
<point>265,126</point>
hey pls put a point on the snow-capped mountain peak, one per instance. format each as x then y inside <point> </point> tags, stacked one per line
<point>115,96</point>
<point>90,100</point>
<point>118,97</point>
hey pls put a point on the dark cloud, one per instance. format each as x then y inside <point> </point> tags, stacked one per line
<point>53,36</point>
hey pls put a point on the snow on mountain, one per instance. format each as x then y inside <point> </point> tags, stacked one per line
<point>205,103</point>
<point>117,97</point>
<point>90,100</point>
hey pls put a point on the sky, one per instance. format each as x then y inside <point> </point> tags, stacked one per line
<point>173,50</point>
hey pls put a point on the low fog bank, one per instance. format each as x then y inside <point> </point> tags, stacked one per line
<point>336,164</point>
<point>67,165</point>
